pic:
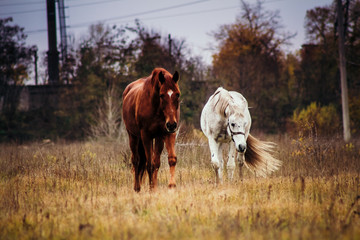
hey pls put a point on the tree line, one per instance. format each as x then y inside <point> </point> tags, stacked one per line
<point>286,92</point>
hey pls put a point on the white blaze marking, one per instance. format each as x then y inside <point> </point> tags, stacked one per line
<point>170,92</point>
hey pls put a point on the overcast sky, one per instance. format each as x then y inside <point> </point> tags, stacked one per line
<point>191,20</point>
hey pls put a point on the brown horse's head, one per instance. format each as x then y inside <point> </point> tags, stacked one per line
<point>169,94</point>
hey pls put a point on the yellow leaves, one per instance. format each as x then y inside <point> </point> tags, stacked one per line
<point>349,147</point>
<point>296,153</point>
<point>51,158</point>
<point>88,155</point>
<point>303,148</point>
<point>316,120</point>
<point>291,70</point>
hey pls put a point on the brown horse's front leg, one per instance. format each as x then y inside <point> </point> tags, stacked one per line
<point>138,164</point>
<point>170,147</point>
<point>159,146</point>
<point>148,147</point>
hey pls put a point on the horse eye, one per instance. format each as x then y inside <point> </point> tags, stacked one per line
<point>162,95</point>
<point>177,95</point>
<point>233,124</point>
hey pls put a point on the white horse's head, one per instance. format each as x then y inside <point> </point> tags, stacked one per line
<point>238,129</point>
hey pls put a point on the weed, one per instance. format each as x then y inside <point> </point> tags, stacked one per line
<point>84,191</point>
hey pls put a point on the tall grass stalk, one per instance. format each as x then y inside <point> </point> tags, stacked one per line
<point>85,191</point>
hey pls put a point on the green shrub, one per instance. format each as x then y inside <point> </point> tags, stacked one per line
<point>315,120</point>
<point>354,111</point>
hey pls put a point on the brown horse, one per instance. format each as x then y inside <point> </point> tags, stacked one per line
<point>151,110</point>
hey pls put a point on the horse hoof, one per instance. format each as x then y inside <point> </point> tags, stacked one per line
<point>137,189</point>
<point>172,185</point>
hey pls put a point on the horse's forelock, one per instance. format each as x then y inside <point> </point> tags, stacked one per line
<point>155,75</point>
<point>224,104</point>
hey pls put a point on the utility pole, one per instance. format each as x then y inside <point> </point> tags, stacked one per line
<point>343,77</point>
<point>63,36</point>
<point>172,64</point>
<point>63,43</point>
<point>170,43</point>
<point>35,63</point>
<point>53,54</point>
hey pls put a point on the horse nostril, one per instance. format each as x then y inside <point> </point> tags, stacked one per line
<point>242,148</point>
<point>171,126</point>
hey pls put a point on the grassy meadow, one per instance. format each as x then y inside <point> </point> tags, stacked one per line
<point>84,190</point>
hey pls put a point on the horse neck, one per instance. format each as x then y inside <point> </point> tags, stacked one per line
<point>151,93</point>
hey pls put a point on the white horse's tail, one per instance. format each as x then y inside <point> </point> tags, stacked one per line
<point>258,156</point>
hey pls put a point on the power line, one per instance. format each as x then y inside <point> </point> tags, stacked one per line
<point>149,18</point>
<point>182,14</point>
<point>272,1</point>
<point>21,4</point>
<point>140,13</point>
<point>35,31</point>
<point>93,3</point>
<point>22,12</point>
<point>147,12</point>
<point>88,4</point>
<point>192,13</point>
<point>43,9</point>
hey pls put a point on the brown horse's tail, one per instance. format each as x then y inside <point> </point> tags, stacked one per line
<point>258,156</point>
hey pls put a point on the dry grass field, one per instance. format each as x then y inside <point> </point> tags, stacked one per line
<point>85,191</point>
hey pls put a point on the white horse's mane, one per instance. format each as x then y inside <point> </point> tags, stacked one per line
<point>225,104</point>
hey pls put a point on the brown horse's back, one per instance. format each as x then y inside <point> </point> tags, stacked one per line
<point>134,86</point>
<point>131,96</point>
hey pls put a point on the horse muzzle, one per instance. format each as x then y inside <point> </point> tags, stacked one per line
<point>171,127</point>
<point>241,148</point>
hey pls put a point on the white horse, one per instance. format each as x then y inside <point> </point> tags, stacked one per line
<point>225,118</point>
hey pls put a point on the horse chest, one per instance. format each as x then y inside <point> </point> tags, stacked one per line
<point>153,126</point>
<point>222,136</point>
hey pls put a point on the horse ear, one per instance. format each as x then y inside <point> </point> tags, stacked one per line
<point>176,76</point>
<point>161,77</point>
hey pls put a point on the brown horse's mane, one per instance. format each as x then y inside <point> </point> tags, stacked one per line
<point>154,76</point>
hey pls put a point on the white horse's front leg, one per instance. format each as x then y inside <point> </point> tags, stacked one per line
<point>231,161</point>
<point>216,159</point>
<point>241,160</point>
